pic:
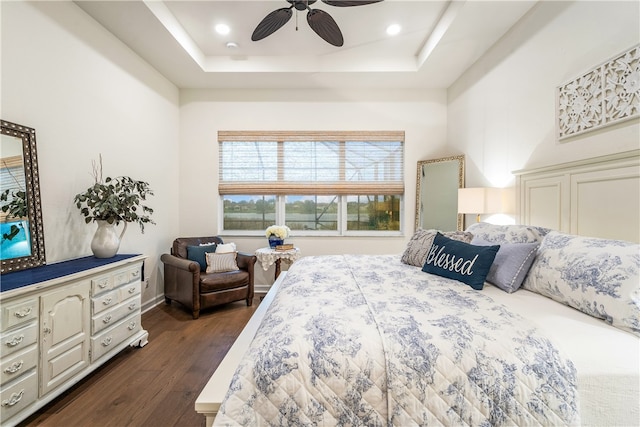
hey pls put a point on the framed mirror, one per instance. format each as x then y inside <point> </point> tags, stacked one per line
<point>437,185</point>
<point>22,235</point>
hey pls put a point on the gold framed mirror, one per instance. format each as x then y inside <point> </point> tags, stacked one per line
<point>22,234</point>
<point>437,184</point>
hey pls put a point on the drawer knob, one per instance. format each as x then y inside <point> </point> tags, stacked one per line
<point>132,326</point>
<point>107,319</point>
<point>15,367</point>
<point>107,301</point>
<point>132,306</point>
<point>15,341</point>
<point>14,399</point>
<point>24,313</point>
<point>107,341</point>
<point>132,290</point>
<point>103,284</point>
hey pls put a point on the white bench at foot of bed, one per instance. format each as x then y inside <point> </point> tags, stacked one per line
<point>209,400</point>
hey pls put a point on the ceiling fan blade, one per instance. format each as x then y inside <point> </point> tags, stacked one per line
<point>324,26</point>
<point>271,23</point>
<point>347,3</point>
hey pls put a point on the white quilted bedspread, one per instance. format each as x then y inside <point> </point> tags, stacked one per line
<point>365,340</point>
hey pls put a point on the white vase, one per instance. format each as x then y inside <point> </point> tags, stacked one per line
<point>106,241</point>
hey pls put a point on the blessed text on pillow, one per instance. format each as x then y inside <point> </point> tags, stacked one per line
<point>460,261</point>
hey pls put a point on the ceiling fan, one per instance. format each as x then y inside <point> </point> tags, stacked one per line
<point>319,20</point>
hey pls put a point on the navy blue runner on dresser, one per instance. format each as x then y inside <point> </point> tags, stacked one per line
<point>18,279</point>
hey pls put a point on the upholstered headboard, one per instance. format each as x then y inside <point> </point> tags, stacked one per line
<point>598,197</point>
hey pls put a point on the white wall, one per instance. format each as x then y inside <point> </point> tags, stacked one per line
<point>421,114</point>
<point>502,110</point>
<point>87,94</point>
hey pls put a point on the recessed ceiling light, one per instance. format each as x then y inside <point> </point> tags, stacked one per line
<point>222,29</point>
<point>232,45</point>
<point>393,29</point>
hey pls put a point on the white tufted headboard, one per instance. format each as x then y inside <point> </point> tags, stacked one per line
<point>598,197</point>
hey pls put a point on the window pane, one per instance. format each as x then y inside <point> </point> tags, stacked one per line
<point>248,161</point>
<point>373,161</point>
<point>249,212</point>
<point>373,213</point>
<point>311,212</point>
<point>311,161</point>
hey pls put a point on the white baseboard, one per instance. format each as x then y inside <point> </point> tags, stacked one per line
<point>261,289</point>
<point>152,303</point>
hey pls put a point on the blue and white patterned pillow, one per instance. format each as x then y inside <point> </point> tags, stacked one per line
<point>597,276</point>
<point>499,234</point>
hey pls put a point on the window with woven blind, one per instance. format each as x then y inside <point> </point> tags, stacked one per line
<point>313,181</point>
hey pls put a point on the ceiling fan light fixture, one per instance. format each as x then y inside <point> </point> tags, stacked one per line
<point>320,21</point>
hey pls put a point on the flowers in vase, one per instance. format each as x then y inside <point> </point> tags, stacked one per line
<point>280,231</point>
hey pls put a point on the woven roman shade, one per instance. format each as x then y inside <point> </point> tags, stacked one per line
<point>308,162</point>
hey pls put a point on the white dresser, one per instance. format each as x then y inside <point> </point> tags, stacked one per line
<point>60,322</point>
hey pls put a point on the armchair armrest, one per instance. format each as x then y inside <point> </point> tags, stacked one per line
<point>182,281</point>
<point>180,263</point>
<point>246,261</point>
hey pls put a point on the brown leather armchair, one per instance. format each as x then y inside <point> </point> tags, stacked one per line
<point>187,283</point>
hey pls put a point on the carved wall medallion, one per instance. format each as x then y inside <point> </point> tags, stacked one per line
<point>607,94</point>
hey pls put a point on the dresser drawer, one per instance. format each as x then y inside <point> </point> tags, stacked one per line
<point>18,312</point>
<point>111,338</point>
<point>129,290</point>
<point>105,301</point>
<point>18,363</point>
<point>124,277</point>
<point>108,318</point>
<point>101,284</point>
<point>18,395</point>
<point>18,339</point>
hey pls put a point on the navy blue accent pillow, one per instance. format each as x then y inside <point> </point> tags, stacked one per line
<point>197,254</point>
<point>460,261</point>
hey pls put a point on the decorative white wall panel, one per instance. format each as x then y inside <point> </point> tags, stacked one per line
<point>605,95</point>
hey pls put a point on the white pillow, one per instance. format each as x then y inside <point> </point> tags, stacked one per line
<point>596,276</point>
<point>220,263</point>
<point>226,248</point>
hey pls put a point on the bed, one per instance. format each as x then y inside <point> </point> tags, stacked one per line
<point>388,340</point>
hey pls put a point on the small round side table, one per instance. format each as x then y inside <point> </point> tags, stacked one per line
<point>269,256</point>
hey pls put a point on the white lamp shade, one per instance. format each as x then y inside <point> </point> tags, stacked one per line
<point>480,200</point>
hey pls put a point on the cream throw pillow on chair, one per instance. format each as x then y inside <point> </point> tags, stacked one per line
<point>221,262</point>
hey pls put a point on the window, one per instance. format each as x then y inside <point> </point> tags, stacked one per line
<point>332,183</point>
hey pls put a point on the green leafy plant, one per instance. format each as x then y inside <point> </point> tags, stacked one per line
<point>16,207</point>
<point>115,200</point>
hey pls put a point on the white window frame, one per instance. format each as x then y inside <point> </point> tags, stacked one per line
<point>342,198</point>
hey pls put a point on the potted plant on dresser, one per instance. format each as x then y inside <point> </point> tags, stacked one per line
<point>109,202</point>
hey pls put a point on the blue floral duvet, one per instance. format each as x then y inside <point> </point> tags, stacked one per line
<point>364,340</point>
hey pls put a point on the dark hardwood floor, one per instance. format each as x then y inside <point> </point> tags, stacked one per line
<point>156,385</point>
